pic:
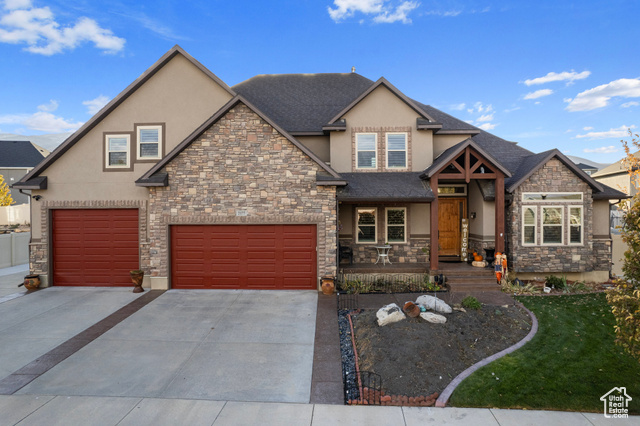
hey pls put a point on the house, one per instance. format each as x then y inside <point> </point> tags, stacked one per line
<point>203,185</point>
<point>590,170</point>
<point>617,176</point>
<point>17,158</point>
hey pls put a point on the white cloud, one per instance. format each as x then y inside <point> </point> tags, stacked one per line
<point>479,107</point>
<point>38,29</point>
<point>50,107</point>
<point>458,107</point>
<point>599,96</point>
<point>602,150</point>
<point>400,14</point>
<point>486,117</point>
<point>587,128</point>
<point>487,126</point>
<point>620,132</point>
<point>630,104</point>
<point>538,94</point>
<point>95,105</point>
<point>381,11</point>
<point>43,120</point>
<point>515,108</point>
<point>447,13</point>
<point>569,77</point>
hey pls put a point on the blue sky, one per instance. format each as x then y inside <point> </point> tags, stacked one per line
<point>546,74</point>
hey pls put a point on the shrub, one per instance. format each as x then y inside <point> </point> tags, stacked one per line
<point>556,282</point>
<point>471,302</point>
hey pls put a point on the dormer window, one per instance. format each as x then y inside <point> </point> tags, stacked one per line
<point>150,141</point>
<point>366,147</point>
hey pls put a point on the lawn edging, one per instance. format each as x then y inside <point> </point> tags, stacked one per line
<point>446,394</point>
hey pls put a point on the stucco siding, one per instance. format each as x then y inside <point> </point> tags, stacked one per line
<point>442,142</point>
<point>319,145</point>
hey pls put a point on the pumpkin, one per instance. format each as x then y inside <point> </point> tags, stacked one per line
<point>477,257</point>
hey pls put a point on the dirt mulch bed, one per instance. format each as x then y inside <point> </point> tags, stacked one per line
<point>415,357</point>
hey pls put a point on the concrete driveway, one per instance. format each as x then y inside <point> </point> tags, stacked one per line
<point>190,344</point>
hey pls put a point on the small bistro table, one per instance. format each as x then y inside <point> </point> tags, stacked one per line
<point>383,253</point>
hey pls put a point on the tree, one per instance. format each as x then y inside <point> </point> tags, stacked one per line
<point>5,193</point>
<point>624,297</point>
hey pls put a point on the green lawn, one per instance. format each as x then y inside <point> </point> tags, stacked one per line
<point>570,363</point>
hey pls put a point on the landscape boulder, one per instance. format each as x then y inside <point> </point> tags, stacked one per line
<point>434,304</point>
<point>433,318</point>
<point>389,314</point>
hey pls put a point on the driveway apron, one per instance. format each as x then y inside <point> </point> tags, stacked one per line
<point>199,344</point>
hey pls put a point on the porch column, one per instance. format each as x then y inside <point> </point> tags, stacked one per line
<point>499,214</point>
<point>433,242</point>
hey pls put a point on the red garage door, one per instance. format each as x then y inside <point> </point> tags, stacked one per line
<point>94,247</point>
<point>243,256</point>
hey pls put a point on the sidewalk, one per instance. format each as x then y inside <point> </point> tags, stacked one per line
<point>77,410</point>
<point>10,278</point>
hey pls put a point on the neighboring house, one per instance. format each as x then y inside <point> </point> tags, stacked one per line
<point>17,158</point>
<point>617,176</point>
<point>590,170</point>
<point>203,185</point>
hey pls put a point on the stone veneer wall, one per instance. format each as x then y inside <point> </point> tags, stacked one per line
<point>242,163</point>
<point>411,252</point>
<point>478,245</point>
<point>39,249</point>
<point>590,256</point>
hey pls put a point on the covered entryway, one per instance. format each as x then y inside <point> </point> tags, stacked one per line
<point>94,247</point>
<point>274,257</point>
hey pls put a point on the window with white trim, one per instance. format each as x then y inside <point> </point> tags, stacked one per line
<point>552,222</point>
<point>529,225</point>
<point>366,150</point>
<point>149,142</point>
<point>551,196</point>
<point>396,150</point>
<point>366,225</point>
<point>575,225</point>
<point>118,148</point>
<point>396,219</point>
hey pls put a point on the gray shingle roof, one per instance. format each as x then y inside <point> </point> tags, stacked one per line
<point>302,102</point>
<point>20,154</point>
<point>389,187</point>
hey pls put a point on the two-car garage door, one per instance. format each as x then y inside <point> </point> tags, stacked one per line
<point>243,256</point>
<point>98,247</point>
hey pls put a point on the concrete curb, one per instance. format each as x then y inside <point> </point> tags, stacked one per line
<point>446,394</point>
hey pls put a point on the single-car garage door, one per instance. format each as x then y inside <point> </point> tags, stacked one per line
<point>243,256</point>
<point>96,247</point>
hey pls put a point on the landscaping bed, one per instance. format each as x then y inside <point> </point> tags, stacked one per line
<point>570,363</point>
<point>417,358</point>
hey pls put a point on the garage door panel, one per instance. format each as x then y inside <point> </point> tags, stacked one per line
<point>246,256</point>
<point>94,246</point>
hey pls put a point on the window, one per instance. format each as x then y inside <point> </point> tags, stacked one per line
<point>117,151</point>
<point>552,225</point>
<point>366,224</point>
<point>575,225</point>
<point>396,150</point>
<point>366,144</point>
<point>552,196</point>
<point>529,226</point>
<point>396,225</point>
<point>149,142</point>
<point>457,190</point>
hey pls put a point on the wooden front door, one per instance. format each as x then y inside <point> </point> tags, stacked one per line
<point>450,211</point>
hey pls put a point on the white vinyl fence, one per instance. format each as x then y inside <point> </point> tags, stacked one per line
<point>14,249</point>
<point>15,215</point>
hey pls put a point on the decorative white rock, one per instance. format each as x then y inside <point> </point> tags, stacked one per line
<point>480,264</point>
<point>434,304</point>
<point>433,318</point>
<point>389,314</point>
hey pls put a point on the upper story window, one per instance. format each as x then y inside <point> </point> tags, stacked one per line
<point>118,151</point>
<point>366,150</point>
<point>150,142</point>
<point>396,150</point>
